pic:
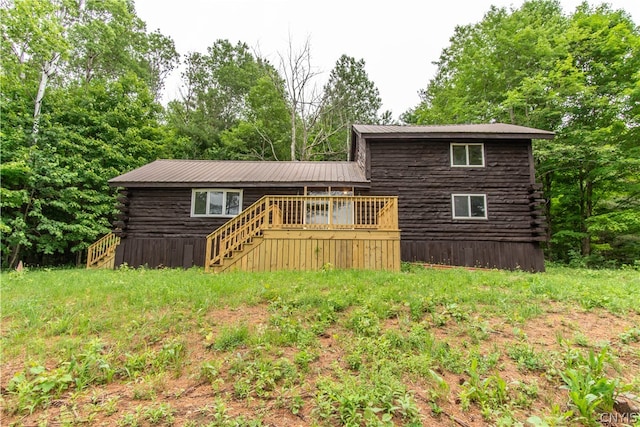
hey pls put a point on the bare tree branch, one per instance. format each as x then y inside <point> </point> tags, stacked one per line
<point>302,94</point>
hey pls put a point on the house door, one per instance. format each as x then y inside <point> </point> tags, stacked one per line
<point>320,211</point>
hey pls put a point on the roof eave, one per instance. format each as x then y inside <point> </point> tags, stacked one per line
<point>456,135</point>
<point>156,184</point>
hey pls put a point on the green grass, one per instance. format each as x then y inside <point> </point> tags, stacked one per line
<point>334,347</point>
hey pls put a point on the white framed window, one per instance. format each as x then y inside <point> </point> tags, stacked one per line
<point>467,155</point>
<point>469,206</point>
<point>216,202</point>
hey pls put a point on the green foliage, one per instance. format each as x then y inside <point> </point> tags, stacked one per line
<point>364,323</point>
<point>555,418</point>
<point>261,377</point>
<point>526,357</point>
<point>172,355</point>
<point>631,335</point>
<point>91,366</point>
<point>160,414</point>
<point>589,389</point>
<point>209,371</point>
<point>37,385</point>
<point>60,201</point>
<point>264,131</point>
<point>373,400</point>
<point>94,73</point>
<point>218,415</point>
<point>231,337</point>
<point>348,97</point>
<point>287,329</point>
<point>233,106</point>
<point>490,393</point>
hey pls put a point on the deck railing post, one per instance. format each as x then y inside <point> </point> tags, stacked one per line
<point>330,214</point>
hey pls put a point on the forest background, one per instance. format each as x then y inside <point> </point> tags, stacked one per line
<point>81,83</point>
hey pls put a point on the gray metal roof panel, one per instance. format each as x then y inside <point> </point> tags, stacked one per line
<point>255,173</point>
<point>489,131</point>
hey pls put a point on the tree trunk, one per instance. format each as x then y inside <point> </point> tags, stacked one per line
<point>14,256</point>
<point>586,191</point>
<point>348,142</point>
<point>293,133</point>
<point>48,70</point>
<point>304,149</point>
<point>15,252</point>
<point>588,210</point>
<point>547,182</point>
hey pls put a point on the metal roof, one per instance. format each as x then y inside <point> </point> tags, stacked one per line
<point>464,131</point>
<point>193,173</point>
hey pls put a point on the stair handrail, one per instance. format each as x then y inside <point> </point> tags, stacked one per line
<point>102,249</point>
<point>388,215</point>
<point>235,232</point>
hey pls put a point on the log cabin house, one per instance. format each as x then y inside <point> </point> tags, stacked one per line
<point>461,195</point>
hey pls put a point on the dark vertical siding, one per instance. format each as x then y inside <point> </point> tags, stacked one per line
<point>420,174</point>
<point>173,252</point>
<point>505,255</point>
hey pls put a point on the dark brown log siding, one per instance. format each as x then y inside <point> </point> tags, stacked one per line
<point>420,173</point>
<point>166,212</point>
<point>159,229</point>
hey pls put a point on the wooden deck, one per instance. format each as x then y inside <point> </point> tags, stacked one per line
<point>309,233</point>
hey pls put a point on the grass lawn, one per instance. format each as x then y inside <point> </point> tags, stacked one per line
<point>421,347</point>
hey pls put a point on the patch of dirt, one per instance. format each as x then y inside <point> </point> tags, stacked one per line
<point>194,398</point>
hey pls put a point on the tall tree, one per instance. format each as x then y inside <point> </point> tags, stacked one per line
<point>486,61</point>
<point>108,40</point>
<point>263,133</point>
<point>160,58</point>
<point>348,97</point>
<point>216,87</point>
<point>302,96</point>
<point>77,110</point>
<point>600,71</point>
<point>33,43</point>
<point>321,119</point>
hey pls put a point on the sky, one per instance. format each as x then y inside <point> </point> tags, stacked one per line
<point>399,40</point>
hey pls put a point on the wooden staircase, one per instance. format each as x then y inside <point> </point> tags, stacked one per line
<point>369,218</point>
<point>102,253</point>
<point>236,234</point>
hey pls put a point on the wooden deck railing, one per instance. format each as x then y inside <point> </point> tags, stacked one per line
<point>300,212</point>
<point>102,253</point>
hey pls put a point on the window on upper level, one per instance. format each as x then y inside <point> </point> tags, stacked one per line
<point>467,155</point>
<point>216,202</point>
<point>469,206</point>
